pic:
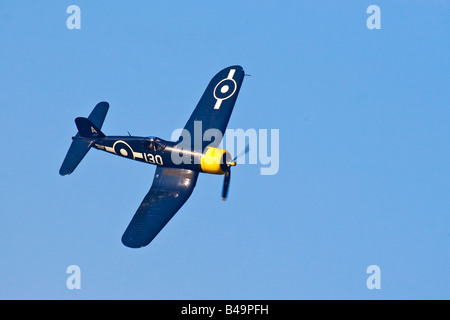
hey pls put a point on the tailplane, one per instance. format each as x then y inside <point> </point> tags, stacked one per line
<point>88,128</point>
<point>76,153</point>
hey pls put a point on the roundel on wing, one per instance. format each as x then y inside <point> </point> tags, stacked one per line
<point>224,89</point>
<point>123,149</point>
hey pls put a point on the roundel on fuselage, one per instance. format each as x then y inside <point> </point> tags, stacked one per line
<point>123,149</point>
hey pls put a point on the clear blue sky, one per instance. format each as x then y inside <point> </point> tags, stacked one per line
<point>364,175</point>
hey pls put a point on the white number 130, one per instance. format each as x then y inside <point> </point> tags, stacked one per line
<point>154,159</point>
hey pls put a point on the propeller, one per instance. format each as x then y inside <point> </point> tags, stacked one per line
<point>227,176</point>
<point>226,184</point>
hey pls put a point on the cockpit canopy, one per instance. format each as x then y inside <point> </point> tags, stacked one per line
<point>154,144</point>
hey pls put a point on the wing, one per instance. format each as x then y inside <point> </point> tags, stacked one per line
<point>215,106</point>
<point>170,189</point>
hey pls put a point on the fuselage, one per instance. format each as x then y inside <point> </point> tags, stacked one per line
<point>164,153</point>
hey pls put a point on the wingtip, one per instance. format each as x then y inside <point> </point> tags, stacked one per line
<point>64,172</point>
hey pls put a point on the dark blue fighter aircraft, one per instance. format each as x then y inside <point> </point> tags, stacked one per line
<point>174,180</point>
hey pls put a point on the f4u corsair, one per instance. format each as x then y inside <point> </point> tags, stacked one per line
<point>173,182</point>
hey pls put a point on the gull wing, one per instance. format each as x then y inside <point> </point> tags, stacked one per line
<point>170,190</point>
<point>214,109</point>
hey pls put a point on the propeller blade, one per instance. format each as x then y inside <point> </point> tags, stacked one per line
<point>226,180</point>
<point>226,184</point>
<point>243,152</point>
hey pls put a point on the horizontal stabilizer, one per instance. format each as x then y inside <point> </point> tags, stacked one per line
<point>76,153</point>
<point>87,129</point>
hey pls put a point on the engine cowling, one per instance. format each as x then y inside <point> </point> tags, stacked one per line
<point>214,160</point>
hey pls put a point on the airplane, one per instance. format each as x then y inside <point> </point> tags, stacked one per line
<point>173,180</point>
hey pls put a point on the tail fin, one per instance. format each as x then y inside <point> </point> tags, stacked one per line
<point>87,129</point>
<point>98,115</point>
<point>79,147</point>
